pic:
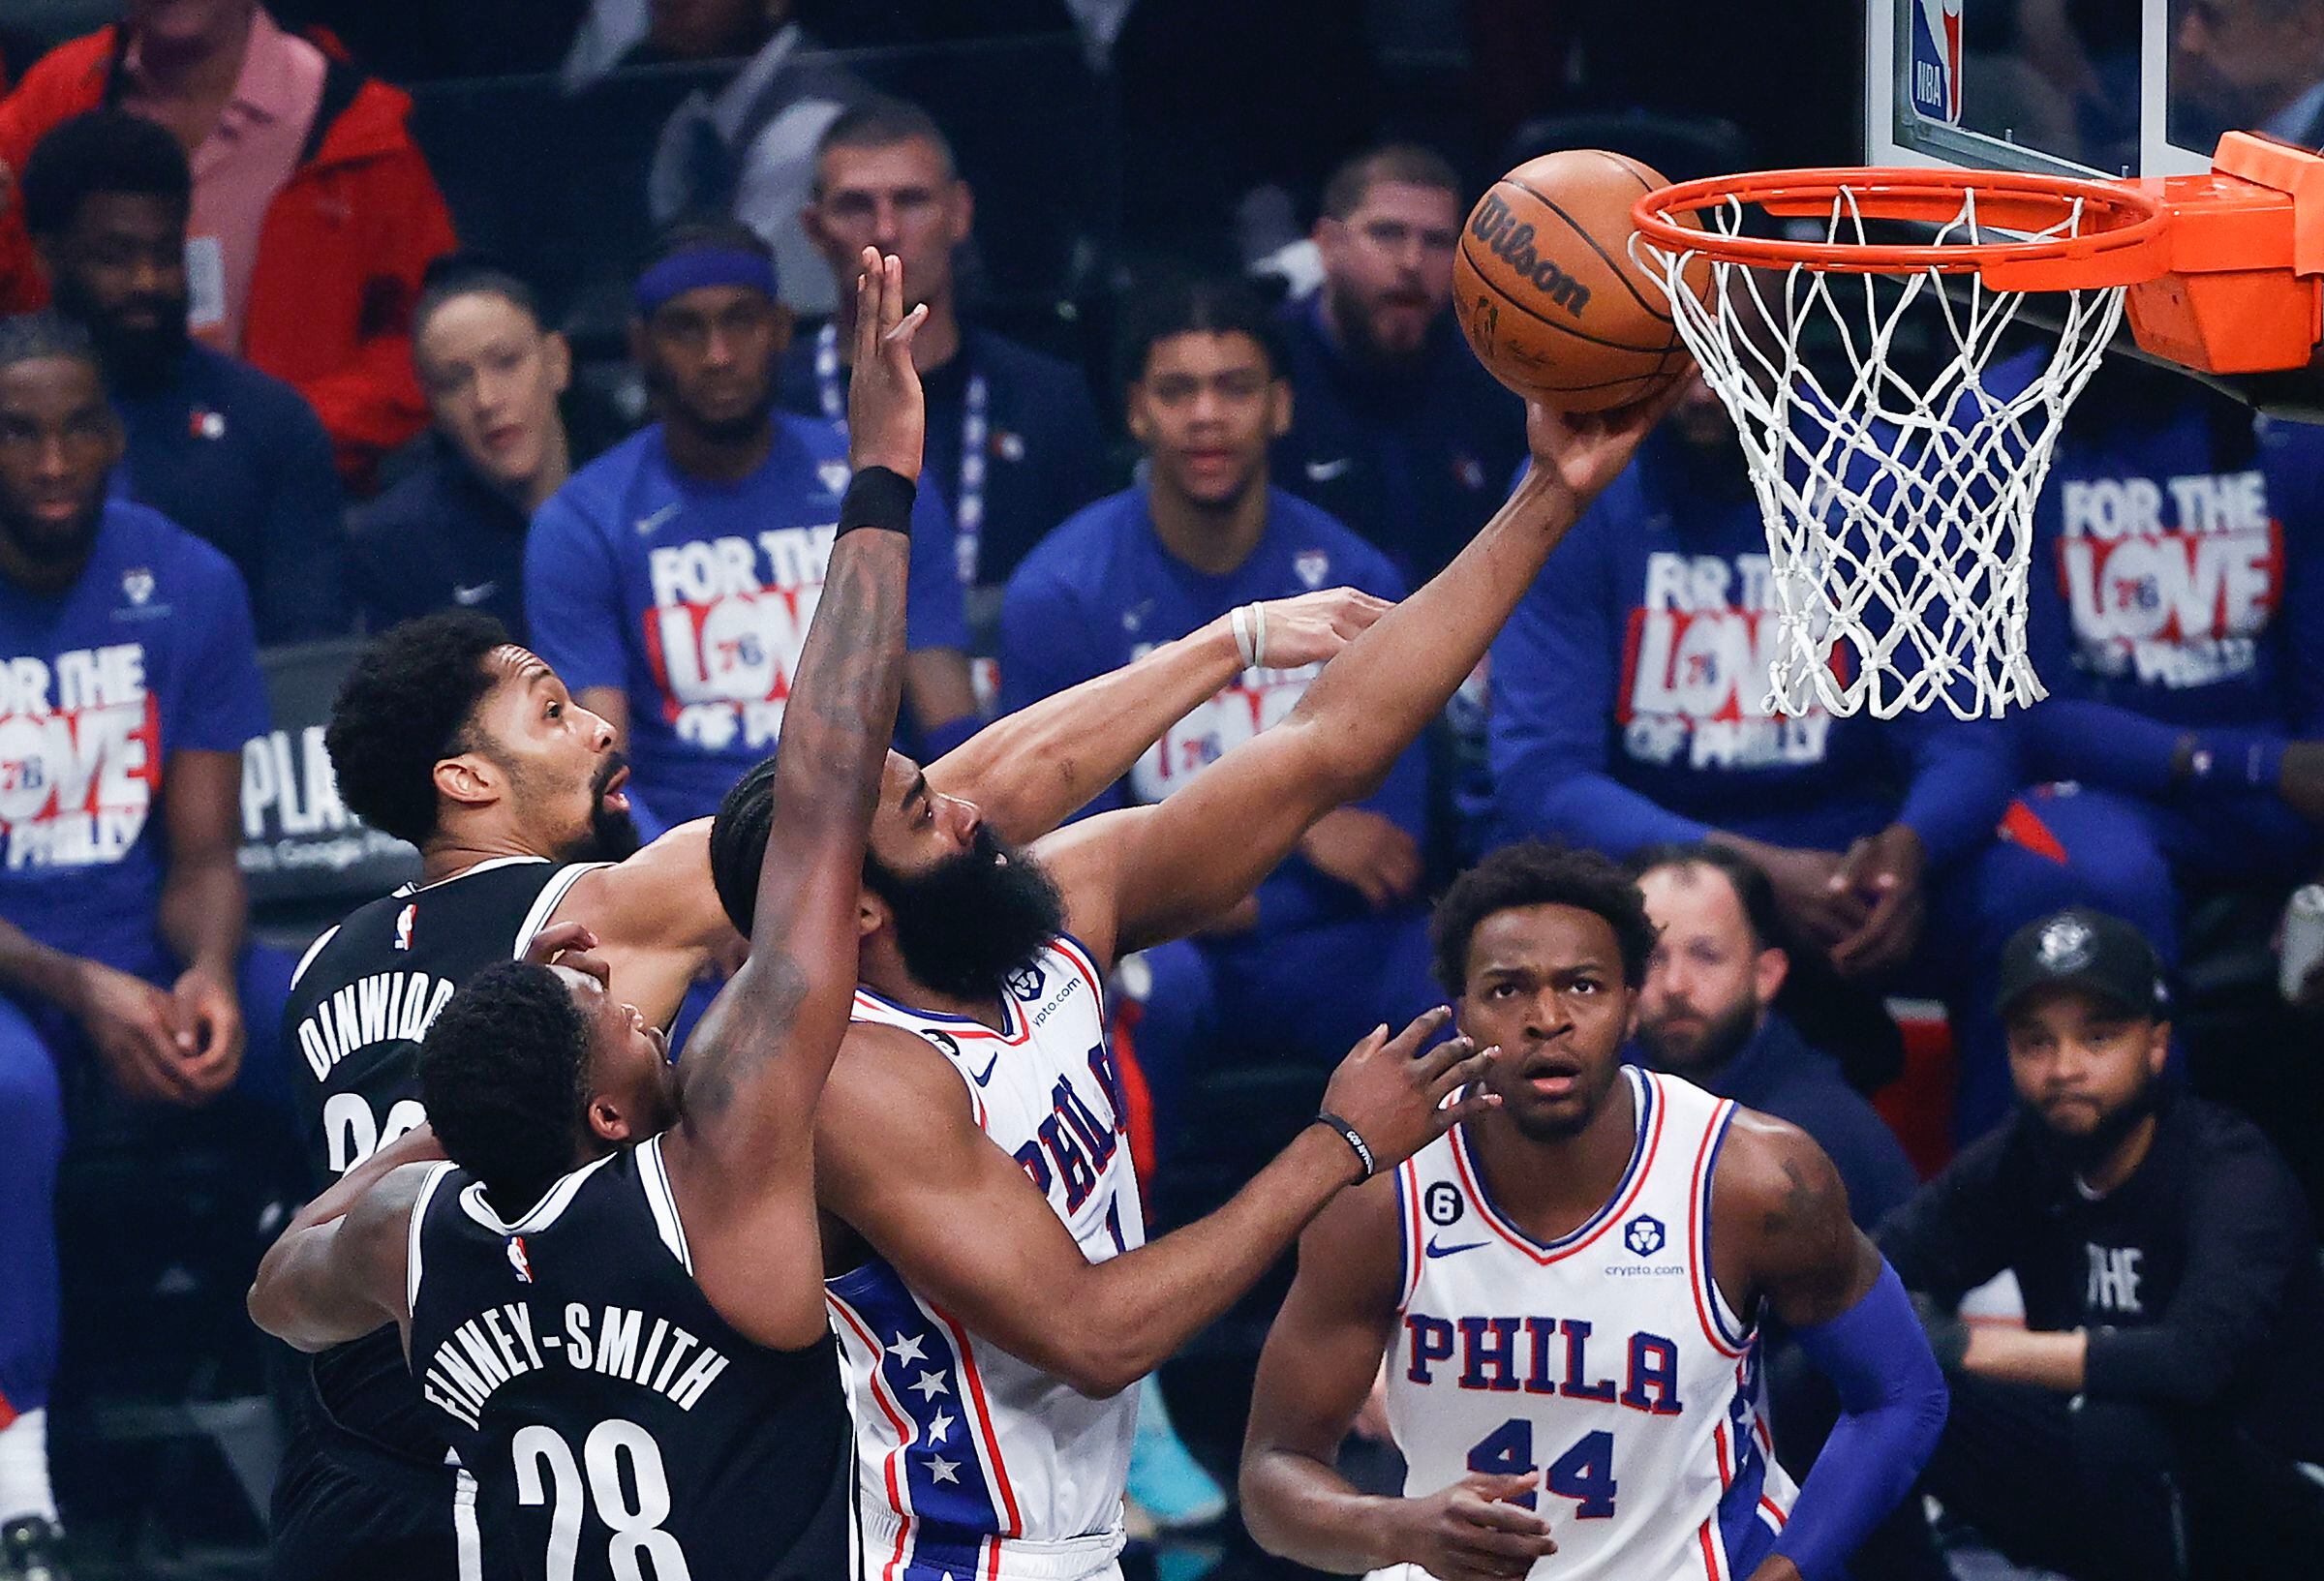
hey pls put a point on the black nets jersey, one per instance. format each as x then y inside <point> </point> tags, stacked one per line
<point>615,1424</point>
<point>361,1001</point>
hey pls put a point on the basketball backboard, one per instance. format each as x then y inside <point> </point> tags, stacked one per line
<point>2086,87</point>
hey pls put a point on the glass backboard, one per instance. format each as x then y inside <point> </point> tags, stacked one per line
<point>2086,87</point>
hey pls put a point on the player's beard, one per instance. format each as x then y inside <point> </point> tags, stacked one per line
<point>136,361</point>
<point>969,921</point>
<point>611,834</point>
<point>1362,341</point>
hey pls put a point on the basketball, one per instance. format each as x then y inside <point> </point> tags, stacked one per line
<point>1546,292</point>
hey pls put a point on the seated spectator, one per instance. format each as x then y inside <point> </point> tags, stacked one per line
<point>670,581</point>
<point>313,211</point>
<point>2150,1417</point>
<point>1396,428</point>
<point>1336,940</point>
<point>128,685</point>
<point>225,452</point>
<point>1630,708</point>
<point>1013,442</point>
<point>749,150</point>
<point>2177,616</point>
<point>1706,1012</point>
<point>451,534</point>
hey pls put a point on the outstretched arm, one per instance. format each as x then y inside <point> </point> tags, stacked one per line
<point>1779,1204</point>
<point>1021,1279</point>
<point>1031,770</point>
<point>740,1157</point>
<point>1319,1363</point>
<point>1139,876</point>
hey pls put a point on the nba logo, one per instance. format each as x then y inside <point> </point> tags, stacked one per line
<point>1934,65</point>
<point>517,1260</point>
<point>402,925</point>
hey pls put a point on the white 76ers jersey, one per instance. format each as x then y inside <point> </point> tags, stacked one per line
<point>1607,1361</point>
<point>970,1463</point>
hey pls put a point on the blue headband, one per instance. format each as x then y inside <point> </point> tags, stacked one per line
<point>700,266</point>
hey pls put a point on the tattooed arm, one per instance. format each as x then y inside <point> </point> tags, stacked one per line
<point>1783,1242</point>
<point>741,1156</point>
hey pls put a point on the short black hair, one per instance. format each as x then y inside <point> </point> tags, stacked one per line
<point>100,151</point>
<point>1195,305</point>
<point>35,337</point>
<point>738,843</point>
<point>1408,163</point>
<point>504,1074</point>
<point>1749,881</point>
<point>884,123</point>
<point>469,274</point>
<point>1539,873</point>
<point>404,708</point>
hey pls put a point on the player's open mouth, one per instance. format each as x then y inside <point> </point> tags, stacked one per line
<point>1553,1079</point>
<point>611,794</point>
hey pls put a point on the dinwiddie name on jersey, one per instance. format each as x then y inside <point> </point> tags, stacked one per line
<point>501,1344</point>
<point>385,1007</point>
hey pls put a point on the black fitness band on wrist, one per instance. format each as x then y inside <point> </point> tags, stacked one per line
<point>878,496</point>
<point>1354,1138</point>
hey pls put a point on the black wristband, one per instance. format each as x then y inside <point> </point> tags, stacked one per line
<point>1354,1138</point>
<point>878,496</point>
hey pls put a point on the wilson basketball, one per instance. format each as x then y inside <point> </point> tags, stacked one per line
<point>1545,291</point>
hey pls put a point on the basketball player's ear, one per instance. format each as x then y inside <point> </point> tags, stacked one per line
<point>469,779</point>
<point>872,913</point>
<point>607,1122</point>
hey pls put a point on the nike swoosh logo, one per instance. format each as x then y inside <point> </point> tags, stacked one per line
<point>1435,1250</point>
<point>1324,472</point>
<point>648,524</point>
<point>474,595</point>
<point>990,1064</point>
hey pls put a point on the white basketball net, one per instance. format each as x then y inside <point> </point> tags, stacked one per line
<point>1900,519</point>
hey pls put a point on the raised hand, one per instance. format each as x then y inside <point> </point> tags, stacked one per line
<point>887,411</point>
<point>1585,450</point>
<point>1395,1095</point>
<point>1886,869</point>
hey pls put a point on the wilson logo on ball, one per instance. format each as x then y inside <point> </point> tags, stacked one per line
<point>1511,242</point>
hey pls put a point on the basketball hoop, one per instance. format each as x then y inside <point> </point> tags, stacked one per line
<point>1900,507</point>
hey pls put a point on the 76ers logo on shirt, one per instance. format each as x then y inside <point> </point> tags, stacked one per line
<point>79,756</point>
<point>2169,579</point>
<point>729,618</point>
<point>1695,669</point>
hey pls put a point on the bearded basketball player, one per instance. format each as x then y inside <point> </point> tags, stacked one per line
<point>988,1367</point>
<point>449,736</point>
<point>611,1293</point>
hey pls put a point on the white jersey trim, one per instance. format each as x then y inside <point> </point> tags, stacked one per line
<point>545,903</point>
<point>1729,1335</point>
<point>542,1214</point>
<point>655,1176</point>
<point>484,867</point>
<point>1648,1113</point>
<point>313,950</point>
<point>419,1213</point>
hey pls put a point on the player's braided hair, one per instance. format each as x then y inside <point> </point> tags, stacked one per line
<point>738,843</point>
<point>1539,873</point>
<point>404,708</point>
<point>504,1078</point>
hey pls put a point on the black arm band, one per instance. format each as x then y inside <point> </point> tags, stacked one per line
<point>1355,1140</point>
<point>877,497</point>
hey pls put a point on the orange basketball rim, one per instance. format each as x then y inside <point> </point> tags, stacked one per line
<point>2224,271</point>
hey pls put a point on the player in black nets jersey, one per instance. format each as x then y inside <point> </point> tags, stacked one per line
<point>451,737</point>
<point>2150,1418</point>
<point>612,1293</point>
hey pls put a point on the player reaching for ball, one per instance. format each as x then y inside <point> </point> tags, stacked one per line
<point>982,1232</point>
<point>1568,1288</point>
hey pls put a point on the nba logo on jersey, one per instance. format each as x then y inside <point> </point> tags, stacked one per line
<point>404,919</point>
<point>517,1260</point>
<point>1935,68</point>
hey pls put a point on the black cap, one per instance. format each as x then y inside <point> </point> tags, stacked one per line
<point>2085,949</point>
